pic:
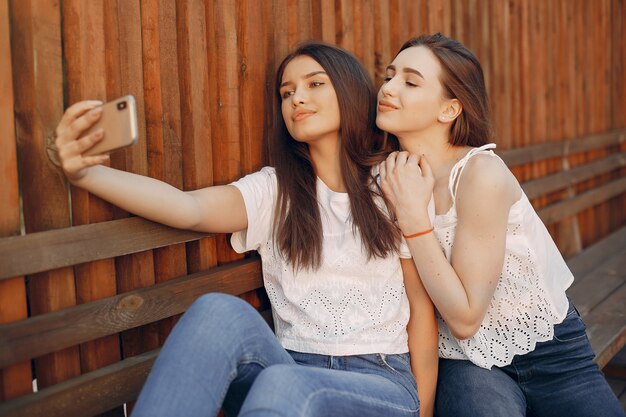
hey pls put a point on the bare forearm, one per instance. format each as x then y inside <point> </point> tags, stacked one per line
<point>440,279</point>
<point>140,195</point>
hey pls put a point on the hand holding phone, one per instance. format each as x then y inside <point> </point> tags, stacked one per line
<point>90,130</point>
<point>119,122</point>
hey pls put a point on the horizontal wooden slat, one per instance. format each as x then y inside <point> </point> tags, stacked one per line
<point>589,291</point>
<point>534,153</point>
<point>606,326</point>
<point>566,208</point>
<point>92,393</point>
<point>564,179</point>
<point>50,332</point>
<point>87,395</point>
<point>37,252</point>
<point>582,264</point>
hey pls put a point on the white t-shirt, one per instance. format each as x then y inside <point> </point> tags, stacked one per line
<point>350,305</point>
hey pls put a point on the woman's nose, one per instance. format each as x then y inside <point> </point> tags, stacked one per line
<point>298,97</point>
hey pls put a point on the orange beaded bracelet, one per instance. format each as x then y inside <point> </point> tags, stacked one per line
<point>418,233</point>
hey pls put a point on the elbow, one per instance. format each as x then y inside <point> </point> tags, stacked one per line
<point>464,330</point>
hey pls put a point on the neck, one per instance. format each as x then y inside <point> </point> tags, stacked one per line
<point>325,156</point>
<point>434,146</point>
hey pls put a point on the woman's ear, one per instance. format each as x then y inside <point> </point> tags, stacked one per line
<point>450,110</point>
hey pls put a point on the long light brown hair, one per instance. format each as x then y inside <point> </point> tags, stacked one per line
<point>297,222</point>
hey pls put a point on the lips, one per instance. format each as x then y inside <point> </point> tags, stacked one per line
<point>384,106</point>
<point>301,114</point>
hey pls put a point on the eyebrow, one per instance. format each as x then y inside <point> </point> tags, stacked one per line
<point>309,75</point>
<point>406,69</point>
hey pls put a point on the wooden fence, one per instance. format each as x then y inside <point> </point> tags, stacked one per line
<point>201,73</point>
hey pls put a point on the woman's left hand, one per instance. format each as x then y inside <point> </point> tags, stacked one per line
<point>408,182</point>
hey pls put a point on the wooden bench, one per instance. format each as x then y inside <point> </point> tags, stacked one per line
<point>106,388</point>
<point>599,290</point>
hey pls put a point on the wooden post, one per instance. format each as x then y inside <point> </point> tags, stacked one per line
<point>15,380</point>
<point>37,61</point>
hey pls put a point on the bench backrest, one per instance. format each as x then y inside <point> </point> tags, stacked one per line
<point>558,195</point>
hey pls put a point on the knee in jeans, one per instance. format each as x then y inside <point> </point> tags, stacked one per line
<point>216,302</point>
<point>282,379</point>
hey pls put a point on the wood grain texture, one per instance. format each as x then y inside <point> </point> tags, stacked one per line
<point>96,392</point>
<point>14,380</point>
<point>202,75</point>
<point>31,253</point>
<point>36,54</point>
<point>59,329</point>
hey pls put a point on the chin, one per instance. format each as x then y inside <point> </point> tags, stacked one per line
<point>380,122</point>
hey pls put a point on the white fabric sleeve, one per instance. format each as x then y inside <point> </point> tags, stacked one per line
<point>259,191</point>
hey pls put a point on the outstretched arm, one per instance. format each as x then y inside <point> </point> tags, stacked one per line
<point>461,290</point>
<point>423,339</point>
<point>211,209</point>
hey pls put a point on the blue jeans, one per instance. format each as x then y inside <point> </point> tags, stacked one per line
<point>223,354</point>
<point>558,378</point>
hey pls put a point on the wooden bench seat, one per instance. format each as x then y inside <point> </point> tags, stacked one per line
<point>599,290</point>
<point>599,293</point>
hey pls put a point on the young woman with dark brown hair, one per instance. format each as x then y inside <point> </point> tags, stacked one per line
<point>341,295</point>
<point>511,343</point>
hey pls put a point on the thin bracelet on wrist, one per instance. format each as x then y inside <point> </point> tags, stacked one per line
<point>424,232</point>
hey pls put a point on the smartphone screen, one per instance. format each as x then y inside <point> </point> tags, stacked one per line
<point>119,121</point>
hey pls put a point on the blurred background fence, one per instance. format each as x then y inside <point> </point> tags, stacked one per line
<point>201,73</point>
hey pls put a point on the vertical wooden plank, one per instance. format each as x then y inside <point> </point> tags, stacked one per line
<point>357,25</point>
<point>197,139</point>
<point>526,74</point>
<point>568,232</point>
<point>281,35</point>
<point>38,80</point>
<point>291,22</point>
<point>256,76</point>
<point>382,50</point>
<point>618,65</point>
<point>602,214</point>
<point>124,75</point>
<point>515,96</point>
<point>397,16</point>
<point>164,143</point>
<point>499,58</point>
<point>15,380</point>
<point>440,17</point>
<point>368,57</point>
<point>225,69</point>
<point>328,20</point>
<point>84,52</point>
<point>304,21</point>
<point>538,86</point>
<point>344,24</point>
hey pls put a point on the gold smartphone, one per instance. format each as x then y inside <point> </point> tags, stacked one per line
<point>119,121</point>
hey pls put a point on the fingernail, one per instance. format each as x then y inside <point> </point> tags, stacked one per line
<point>95,103</point>
<point>99,133</point>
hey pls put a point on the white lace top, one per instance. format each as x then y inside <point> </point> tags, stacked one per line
<point>530,296</point>
<point>350,305</point>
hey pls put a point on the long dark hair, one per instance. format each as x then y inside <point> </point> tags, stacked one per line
<point>462,78</point>
<point>297,221</point>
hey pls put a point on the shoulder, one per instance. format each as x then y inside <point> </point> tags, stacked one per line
<point>265,174</point>
<point>486,178</point>
<point>260,182</point>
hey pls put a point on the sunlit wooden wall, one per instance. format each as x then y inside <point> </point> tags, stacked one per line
<point>200,72</point>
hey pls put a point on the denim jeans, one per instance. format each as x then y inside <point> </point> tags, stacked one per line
<point>223,354</point>
<point>558,378</point>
